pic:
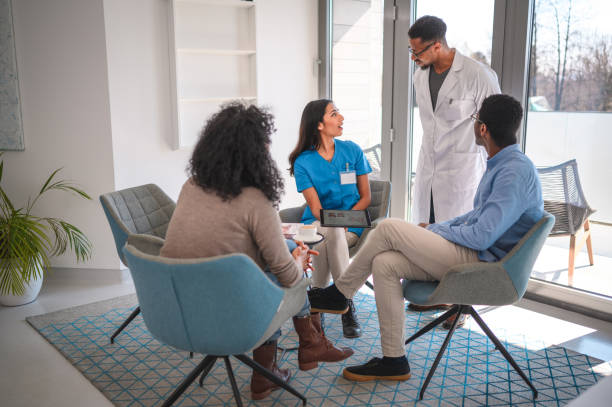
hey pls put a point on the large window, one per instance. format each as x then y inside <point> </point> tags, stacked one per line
<point>569,117</point>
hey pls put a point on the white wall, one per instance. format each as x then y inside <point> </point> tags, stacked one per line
<point>61,59</point>
<point>137,48</point>
<point>96,100</point>
<point>286,79</point>
<point>139,86</point>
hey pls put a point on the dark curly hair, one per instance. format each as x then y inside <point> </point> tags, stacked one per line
<point>502,115</point>
<point>233,153</point>
<point>309,137</point>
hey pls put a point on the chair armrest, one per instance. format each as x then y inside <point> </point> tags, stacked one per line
<point>146,243</point>
<point>292,215</point>
<point>478,283</point>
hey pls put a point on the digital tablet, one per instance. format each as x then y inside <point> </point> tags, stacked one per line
<point>336,218</point>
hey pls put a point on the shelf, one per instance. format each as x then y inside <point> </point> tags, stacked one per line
<point>209,51</point>
<point>224,3</point>
<point>216,99</point>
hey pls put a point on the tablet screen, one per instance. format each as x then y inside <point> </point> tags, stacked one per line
<point>340,218</point>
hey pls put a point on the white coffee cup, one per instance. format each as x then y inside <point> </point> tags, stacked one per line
<point>308,232</point>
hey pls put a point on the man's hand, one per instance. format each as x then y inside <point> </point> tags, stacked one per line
<point>423,225</point>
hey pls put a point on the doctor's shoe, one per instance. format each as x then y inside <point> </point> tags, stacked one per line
<point>350,325</point>
<point>379,369</point>
<point>328,300</point>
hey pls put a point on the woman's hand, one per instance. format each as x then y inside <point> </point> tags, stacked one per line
<point>302,255</point>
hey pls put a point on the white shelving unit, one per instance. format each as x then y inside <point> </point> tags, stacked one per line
<point>212,54</point>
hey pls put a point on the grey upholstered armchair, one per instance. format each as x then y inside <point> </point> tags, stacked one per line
<point>142,209</point>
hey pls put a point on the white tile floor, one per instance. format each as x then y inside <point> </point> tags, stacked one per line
<point>33,373</point>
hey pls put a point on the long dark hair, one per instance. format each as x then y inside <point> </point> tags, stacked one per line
<point>232,153</point>
<point>309,138</point>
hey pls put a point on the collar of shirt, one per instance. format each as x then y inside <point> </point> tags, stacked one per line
<point>501,155</point>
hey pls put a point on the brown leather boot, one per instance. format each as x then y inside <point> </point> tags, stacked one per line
<point>265,355</point>
<point>314,346</point>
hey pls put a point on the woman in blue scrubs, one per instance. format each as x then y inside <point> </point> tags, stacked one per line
<point>331,174</point>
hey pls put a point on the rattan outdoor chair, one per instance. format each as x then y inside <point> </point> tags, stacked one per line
<point>564,198</point>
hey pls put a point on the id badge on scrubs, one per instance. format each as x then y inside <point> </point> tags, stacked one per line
<point>348,177</point>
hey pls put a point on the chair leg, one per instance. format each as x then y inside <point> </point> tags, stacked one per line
<point>434,323</point>
<point>125,323</point>
<point>230,374</point>
<point>572,258</point>
<point>502,349</point>
<point>587,229</point>
<point>208,360</point>
<point>270,376</point>
<point>206,370</point>
<point>460,310</point>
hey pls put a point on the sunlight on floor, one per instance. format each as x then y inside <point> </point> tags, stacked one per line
<point>552,266</point>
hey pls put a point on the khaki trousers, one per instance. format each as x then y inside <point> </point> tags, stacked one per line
<point>398,250</point>
<point>333,256</point>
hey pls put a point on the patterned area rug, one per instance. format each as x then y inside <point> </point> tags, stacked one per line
<point>139,371</point>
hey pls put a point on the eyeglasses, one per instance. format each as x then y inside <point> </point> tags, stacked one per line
<point>416,54</point>
<point>474,117</point>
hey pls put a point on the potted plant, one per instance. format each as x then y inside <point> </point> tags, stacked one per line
<point>27,241</point>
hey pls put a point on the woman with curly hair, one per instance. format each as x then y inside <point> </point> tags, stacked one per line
<point>332,174</point>
<point>234,190</point>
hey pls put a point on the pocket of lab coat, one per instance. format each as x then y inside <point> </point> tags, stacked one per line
<point>453,110</point>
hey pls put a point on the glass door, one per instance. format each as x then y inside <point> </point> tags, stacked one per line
<point>469,38</point>
<point>357,68</point>
<point>569,117</point>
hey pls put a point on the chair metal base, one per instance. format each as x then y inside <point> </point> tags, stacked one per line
<point>206,366</point>
<point>125,323</point>
<point>459,310</point>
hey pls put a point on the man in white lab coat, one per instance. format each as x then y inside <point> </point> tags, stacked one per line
<point>449,87</point>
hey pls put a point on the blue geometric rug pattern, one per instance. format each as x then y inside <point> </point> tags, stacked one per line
<point>139,371</point>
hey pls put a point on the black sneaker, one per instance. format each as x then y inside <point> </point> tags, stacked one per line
<point>350,325</point>
<point>328,300</point>
<point>377,369</point>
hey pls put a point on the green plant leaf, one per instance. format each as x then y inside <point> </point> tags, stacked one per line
<point>27,241</point>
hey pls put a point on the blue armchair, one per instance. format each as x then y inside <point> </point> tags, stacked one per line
<point>217,306</point>
<point>499,283</point>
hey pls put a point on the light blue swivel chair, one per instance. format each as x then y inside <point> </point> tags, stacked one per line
<point>217,306</point>
<point>142,209</point>
<point>499,283</point>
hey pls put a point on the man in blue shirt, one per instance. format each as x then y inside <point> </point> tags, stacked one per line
<point>507,204</point>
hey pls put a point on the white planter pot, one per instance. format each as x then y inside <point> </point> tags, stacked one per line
<point>31,293</point>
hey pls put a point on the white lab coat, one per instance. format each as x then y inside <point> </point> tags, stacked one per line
<point>450,163</point>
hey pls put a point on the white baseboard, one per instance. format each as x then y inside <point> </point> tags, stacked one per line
<point>89,274</point>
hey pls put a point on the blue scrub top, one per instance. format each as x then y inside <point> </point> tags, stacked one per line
<point>312,170</point>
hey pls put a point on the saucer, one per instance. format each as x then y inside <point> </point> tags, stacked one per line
<point>308,240</point>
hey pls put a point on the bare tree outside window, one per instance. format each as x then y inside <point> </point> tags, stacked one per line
<point>570,65</point>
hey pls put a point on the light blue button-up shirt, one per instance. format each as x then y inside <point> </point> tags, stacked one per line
<point>507,204</point>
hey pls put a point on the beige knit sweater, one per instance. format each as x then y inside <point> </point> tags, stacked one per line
<point>203,226</point>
